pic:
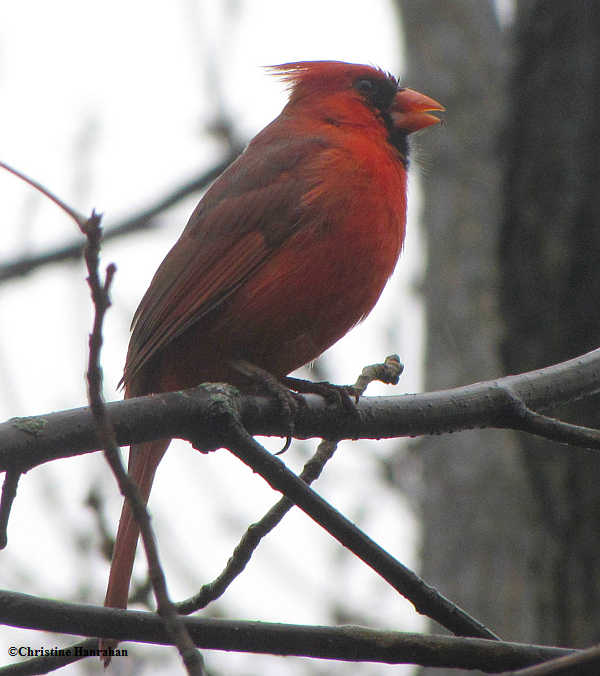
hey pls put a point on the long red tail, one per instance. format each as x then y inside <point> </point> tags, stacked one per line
<point>143,461</point>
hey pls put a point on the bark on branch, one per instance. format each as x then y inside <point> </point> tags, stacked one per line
<point>349,643</point>
<point>507,402</point>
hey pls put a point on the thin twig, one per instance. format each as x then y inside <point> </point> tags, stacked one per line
<point>388,372</point>
<point>101,300</point>
<point>47,663</point>
<point>75,215</point>
<point>142,220</point>
<point>425,599</point>
<point>9,492</point>
<point>99,290</point>
<point>528,420</point>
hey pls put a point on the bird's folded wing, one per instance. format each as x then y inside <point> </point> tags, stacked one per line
<point>252,208</point>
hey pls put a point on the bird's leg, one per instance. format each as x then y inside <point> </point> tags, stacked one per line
<point>268,383</point>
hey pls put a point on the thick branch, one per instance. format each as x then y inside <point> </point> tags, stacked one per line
<point>424,598</point>
<point>349,643</point>
<point>28,442</point>
<point>583,663</point>
<point>388,372</point>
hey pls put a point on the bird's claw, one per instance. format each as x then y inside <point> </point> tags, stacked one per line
<point>288,401</point>
<point>343,396</point>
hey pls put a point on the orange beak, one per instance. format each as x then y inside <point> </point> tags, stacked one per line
<point>410,111</point>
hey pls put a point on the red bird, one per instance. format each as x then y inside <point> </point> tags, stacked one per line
<point>289,249</point>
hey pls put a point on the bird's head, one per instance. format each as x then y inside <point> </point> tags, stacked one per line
<point>344,90</point>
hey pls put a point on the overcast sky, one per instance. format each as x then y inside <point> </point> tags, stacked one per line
<point>108,104</point>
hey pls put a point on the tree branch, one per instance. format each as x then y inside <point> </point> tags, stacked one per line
<point>30,441</point>
<point>9,492</point>
<point>142,220</point>
<point>424,598</point>
<point>388,372</point>
<point>47,663</point>
<point>101,301</point>
<point>348,643</point>
<point>90,228</point>
<point>582,663</point>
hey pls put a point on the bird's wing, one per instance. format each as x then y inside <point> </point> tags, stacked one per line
<point>254,206</point>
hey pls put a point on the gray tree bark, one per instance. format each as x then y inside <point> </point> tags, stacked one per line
<point>475,505</point>
<point>550,253</point>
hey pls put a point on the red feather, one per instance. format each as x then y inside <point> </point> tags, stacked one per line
<point>290,247</point>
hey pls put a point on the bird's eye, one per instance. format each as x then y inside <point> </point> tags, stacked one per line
<point>376,92</point>
<point>365,86</point>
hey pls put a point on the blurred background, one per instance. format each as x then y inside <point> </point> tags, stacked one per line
<point>121,105</point>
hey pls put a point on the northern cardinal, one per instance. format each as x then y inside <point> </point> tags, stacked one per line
<point>289,249</point>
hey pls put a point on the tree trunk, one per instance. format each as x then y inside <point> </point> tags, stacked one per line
<point>550,253</point>
<point>475,506</point>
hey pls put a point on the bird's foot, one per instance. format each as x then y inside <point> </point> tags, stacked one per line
<point>344,396</point>
<point>267,382</point>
